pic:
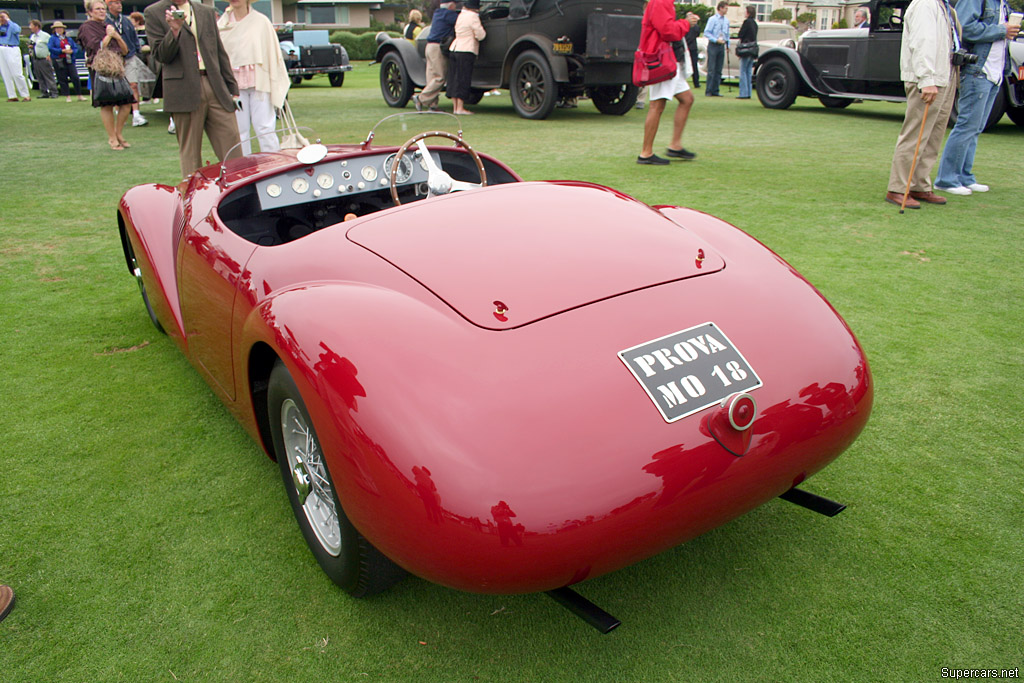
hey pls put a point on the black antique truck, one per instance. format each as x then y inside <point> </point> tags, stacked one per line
<point>543,51</point>
<point>841,66</point>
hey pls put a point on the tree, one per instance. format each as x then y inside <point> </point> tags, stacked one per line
<point>702,11</point>
<point>785,15</point>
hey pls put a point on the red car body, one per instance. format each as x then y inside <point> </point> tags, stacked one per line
<point>459,357</point>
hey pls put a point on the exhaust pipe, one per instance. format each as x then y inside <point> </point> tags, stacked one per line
<point>584,609</point>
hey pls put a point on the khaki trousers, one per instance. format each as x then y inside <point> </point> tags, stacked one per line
<point>437,65</point>
<point>931,140</point>
<point>218,123</point>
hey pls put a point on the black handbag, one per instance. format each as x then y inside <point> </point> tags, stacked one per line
<point>108,91</point>
<point>750,49</point>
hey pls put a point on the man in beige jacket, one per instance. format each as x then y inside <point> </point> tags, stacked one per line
<point>930,32</point>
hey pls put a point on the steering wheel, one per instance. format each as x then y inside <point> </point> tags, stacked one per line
<point>438,180</point>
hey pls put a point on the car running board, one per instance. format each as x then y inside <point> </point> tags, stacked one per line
<point>824,506</point>
<point>584,609</point>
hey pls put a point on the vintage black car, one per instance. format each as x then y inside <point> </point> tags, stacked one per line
<point>307,53</point>
<point>841,66</point>
<point>542,50</point>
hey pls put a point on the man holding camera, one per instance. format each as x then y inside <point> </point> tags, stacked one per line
<point>986,34</point>
<point>199,88</point>
<point>930,32</point>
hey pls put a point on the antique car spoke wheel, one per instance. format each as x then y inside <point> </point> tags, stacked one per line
<point>342,552</point>
<point>614,100</point>
<point>308,476</point>
<point>395,85</point>
<point>534,91</point>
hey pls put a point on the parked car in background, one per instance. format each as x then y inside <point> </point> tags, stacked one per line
<point>543,51</point>
<point>769,34</point>
<point>310,52</point>
<point>841,66</point>
<point>72,32</point>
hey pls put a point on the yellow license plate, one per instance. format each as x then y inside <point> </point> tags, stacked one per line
<point>562,48</point>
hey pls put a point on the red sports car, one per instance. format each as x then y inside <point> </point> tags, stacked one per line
<point>496,385</point>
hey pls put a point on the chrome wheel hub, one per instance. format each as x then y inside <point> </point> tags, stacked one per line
<point>309,477</point>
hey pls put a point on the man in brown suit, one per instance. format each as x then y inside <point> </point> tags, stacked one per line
<point>199,87</point>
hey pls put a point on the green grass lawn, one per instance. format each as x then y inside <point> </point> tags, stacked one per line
<point>149,539</point>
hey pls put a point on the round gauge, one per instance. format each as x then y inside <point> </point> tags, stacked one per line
<point>300,185</point>
<point>325,180</point>
<point>274,190</point>
<point>404,168</point>
<point>369,173</point>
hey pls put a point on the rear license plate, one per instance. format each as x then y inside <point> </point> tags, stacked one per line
<point>690,370</point>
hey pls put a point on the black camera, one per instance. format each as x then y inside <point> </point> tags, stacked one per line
<point>961,57</point>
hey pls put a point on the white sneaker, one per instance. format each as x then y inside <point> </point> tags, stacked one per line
<point>170,128</point>
<point>959,189</point>
<point>139,120</point>
<point>977,187</point>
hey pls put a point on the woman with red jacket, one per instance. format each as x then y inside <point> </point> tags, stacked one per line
<point>661,26</point>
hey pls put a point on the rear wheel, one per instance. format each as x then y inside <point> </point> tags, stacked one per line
<point>614,100</point>
<point>342,552</point>
<point>395,85</point>
<point>296,79</point>
<point>1016,115</point>
<point>534,91</point>
<point>336,79</point>
<point>776,84</point>
<point>998,109</point>
<point>835,102</point>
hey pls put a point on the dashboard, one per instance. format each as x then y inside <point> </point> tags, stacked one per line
<point>340,178</point>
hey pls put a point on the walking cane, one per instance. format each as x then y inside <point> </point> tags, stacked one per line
<point>913,162</point>
<point>728,64</point>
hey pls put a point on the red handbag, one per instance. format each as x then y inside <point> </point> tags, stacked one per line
<point>654,67</point>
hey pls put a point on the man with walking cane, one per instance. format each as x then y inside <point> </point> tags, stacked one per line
<point>931,37</point>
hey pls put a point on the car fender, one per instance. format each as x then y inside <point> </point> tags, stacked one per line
<point>809,79</point>
<point>415,65</point>
<point>150,217</point>
<point>559,64</point>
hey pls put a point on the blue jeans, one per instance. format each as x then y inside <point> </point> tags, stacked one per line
<point>716,55</point>
<point>746,70</point>
<point>977,94</point>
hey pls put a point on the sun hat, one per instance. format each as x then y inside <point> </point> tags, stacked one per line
<point>58,24</point>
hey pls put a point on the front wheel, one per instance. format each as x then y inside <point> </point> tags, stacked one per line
<point>336,79</point>
<point>137,273</point>
<point>296,80</point>
<point>395,85</point>
<point>777,84</point>
<point>614,100</point>
<point>342,552</point>
<point>534,91</point>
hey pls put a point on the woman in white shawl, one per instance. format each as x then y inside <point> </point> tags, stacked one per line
<point>259,69</point>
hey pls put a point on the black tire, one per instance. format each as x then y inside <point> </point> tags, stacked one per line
<point>835,102</point>
<point>777,85</point>
<point>475,96</point>
<point>998,109</point>
<point>1016,115</point>
<point>296,80</point>
<point>534,91</point>
<point>133,265</point>
<point>346,557</point>
<point>337,79</point>
<point>614,100</point>
<point>395,85</point>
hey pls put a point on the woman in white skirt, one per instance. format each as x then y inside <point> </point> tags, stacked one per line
<point>259,69</point>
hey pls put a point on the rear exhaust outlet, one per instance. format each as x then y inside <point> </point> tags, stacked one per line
<point>584,609</point>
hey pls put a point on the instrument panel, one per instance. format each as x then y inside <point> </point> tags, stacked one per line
<point>340,178</point>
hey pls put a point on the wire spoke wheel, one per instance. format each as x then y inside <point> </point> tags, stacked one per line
<point>309,476</point>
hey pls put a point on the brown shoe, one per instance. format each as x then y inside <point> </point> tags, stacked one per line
<point>897,199</point>
<point>6,601</point>
<point>929,197</point>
